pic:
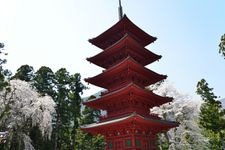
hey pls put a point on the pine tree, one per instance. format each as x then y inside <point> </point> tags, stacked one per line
<point>44,81</point>
<point>90,115</point>
<point>4,73</point>
<point>69,88</point>
<point>76,89</point>
<point>24,73</point>
<point>4,85</point>
<point>87,141</point>
<point>211,117</point>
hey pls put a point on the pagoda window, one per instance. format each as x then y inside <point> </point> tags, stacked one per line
<point>128,143</point>
<point>137,143</point>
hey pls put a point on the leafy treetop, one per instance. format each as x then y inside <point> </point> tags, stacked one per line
<point>222,46</point>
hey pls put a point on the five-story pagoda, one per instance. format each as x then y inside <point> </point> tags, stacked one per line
<point>128,123</point>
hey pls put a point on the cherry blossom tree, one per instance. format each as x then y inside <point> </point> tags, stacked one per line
<point>22,108</point>
<point>184,110</point>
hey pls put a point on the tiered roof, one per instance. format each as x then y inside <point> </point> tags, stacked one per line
<point>117,31</point>
<point>125,72</point>
<point>135,119</point>
<point>125,47</point>
<point>127,101</point>
<point>121,95</point>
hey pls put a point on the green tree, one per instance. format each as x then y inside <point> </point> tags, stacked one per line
<point>222,46</point>
<point>3,85</point>
<point>85,140</point>
<point>211,117</point>
<point>68,100</point>
<point>62,133</point>
<point>24,73</point>
<point>4,73</point>
<point>44,81</point>
<point>76,89</point>
<point>65,89</point>
<point>90,115</point>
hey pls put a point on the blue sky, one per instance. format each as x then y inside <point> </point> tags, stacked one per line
<point>55,33</point>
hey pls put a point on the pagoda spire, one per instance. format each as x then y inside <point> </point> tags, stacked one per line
<point>120,9</point>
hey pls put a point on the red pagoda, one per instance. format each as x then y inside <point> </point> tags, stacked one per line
<point>128,123</point>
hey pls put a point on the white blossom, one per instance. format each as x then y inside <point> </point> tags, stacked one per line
<point>27,143</point>
<point>22,108</point>
<point>184,110</point>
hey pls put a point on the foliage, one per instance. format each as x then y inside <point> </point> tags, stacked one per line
<point>44,81</point>
<point>68,107</point>
<point>24,73</point>
<point>3,72</point>
<point>3,82</point>
<point>65,89</point>
<point>222,46</point>
<point>183,110</point>
<point>90,115</point>
<point>85,140</point>
<point>212,116</point>
<point>23,108</point>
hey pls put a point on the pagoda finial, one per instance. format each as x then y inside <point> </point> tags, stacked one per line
<point>120,10</point>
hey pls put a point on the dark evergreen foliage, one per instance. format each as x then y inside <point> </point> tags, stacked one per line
<point>44,81</point>
<point>211,117</point>
<point>4,73</point>
<point>222,46</point>
<point>24,73</point>
<point>87,141</point>
<point>90,115</point>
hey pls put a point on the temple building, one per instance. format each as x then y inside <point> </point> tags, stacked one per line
<point>128,123</point>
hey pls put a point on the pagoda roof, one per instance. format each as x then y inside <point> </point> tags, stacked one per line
<point>128,67</point>
<point>137,92</point>
<point>118,30</point>
<point>122,48</point>
<point>133,118</point>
